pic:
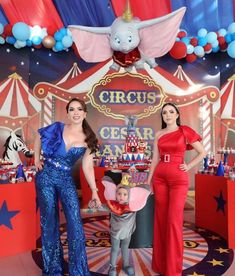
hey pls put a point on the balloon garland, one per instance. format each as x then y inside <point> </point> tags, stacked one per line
<point>189,47</point>
<point>205,42</point>
<point>21,35</point>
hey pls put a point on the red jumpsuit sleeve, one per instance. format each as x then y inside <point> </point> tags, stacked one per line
<point>191,136</point>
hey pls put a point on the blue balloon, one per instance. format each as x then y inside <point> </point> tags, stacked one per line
<point>10,39</point>
<point>186,40</point>
<point>202,41</point>
<point>59,46</point>
<point>233,36</point>
<point>215,44</point>
<point>231,28</point>
<point>211,37</point>
<point>222,32</point>
<point>21,43</point>
<point>63,31</point>
<point>231,49</point>
<point>228,38</point>
<point>36,40</point>
<point>58,36</point>
<point>21,31</point>
<point>1,28</point>
<point>199,51</point>
<point>67,41</point>
<point>202,32</point>
<point>2,40</point>
<point>29,43</point>
<point>215,49</point>
<point>190,49</point>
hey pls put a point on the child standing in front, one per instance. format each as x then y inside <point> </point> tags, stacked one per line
<point>120,200</point>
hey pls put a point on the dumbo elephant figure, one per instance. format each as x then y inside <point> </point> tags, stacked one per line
<point>128,40</point>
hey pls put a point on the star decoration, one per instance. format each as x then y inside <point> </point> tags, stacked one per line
<point>5,216</point>
<point>222,250</point>
<point>195,274</point>
<point>220,202</point>
<point>215,262</point>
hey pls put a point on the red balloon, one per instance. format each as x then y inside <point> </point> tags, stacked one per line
<point>37,46</point>
<point>178,50</point>
<point>194,41</point>
<point>222,43</point>
<point>8,30</point>
<point>51,30</point>
<point>207,47</point>
<point>191,57</point>
<point>181,34</point>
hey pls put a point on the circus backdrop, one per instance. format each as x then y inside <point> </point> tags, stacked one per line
<point>35,86</point>
<point>36,83</point>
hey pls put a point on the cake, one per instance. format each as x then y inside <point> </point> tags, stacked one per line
<point>135,147</point>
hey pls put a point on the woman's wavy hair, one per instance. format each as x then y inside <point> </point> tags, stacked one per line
<point>91,140</point>
<point>177,111</point>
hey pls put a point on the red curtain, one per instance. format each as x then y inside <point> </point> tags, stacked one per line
<point>150,9</point>
<point>40,12</point>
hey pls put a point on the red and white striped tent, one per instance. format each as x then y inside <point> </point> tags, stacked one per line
<point>49,100</point>
<point>225,109</point>
<point>17,103</point>
<point>72,73</point>
<point>181,75</point>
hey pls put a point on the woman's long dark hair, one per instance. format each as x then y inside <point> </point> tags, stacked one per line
<point>177,111</point>
<point>91,140</point>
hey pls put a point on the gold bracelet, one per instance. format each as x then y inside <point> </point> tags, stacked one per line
<point>95,189</point>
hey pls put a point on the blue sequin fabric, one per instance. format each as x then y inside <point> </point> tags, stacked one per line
<point>55,183</point>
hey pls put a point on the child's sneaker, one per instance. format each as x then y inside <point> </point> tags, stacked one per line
<point>112,270</point>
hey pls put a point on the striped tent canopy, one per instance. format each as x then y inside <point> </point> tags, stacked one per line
<point>16,98</point>
<point>181,75</point>
<point>72,73</point>
<point>224,109</point>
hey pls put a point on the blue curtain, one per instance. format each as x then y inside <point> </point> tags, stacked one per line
<point>85,12</point>
<point>209,14</point>
<point>3,18</point>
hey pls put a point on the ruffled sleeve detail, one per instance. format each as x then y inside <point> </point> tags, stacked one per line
<point>191,136</point>
<point>51,138</point>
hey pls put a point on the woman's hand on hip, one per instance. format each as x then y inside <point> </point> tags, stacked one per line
<point>184,167</point>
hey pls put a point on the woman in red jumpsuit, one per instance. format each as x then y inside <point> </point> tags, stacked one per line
<point>169,180</point>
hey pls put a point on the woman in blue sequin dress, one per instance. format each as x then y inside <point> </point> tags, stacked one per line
<point>62,145</point>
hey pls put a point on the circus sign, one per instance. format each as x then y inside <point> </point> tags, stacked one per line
<point>121,94</point>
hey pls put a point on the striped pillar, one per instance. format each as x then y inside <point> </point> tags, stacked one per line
<point>206,124</point>
<point>48,114</point>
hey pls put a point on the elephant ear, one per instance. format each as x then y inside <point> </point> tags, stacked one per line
<point>92,47</point>
<point>109,188</point>
<point>138,198</point>
<point>156,39</point>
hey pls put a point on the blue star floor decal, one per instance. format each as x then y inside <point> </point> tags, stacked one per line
<point>205,253</point>
<point>6,215</point>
